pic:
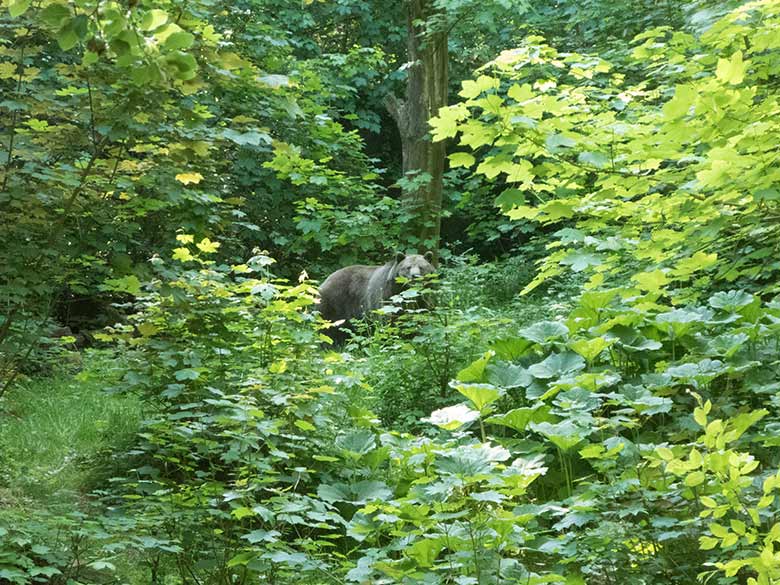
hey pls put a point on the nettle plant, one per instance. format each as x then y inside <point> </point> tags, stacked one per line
<point>227,467</point>
<point>202,321</point>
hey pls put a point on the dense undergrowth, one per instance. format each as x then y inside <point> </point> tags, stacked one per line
<point>240,383</point>
<point>600,445</point>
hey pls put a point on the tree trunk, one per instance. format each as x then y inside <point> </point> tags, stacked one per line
<point>426,92</point>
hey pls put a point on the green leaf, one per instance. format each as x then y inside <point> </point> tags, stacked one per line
<point>545,332</point>
<point>506,375</point>
<point>334,492</point>
<point>179,40</point>
<point>680,104</point>
<point>207,246</point>
<point>694,479</point>
<point>579,260</point>
<point>481,395</point>
<point>707,542</point>
<point>153,19</point>
<point>241,559</point>
<point>563,435</point>
<point>595,159</point>
<point>55,14</point>
<point>708,502</point>
<point>305,425</point>
<point>719,530</point>
<point>67,38</point>
<point>472,460</point>
<point>731,300</point>
<point>492,166</point>
<point>46,571</point>
<point>738,526</point>
<point>472,88</point>
<point>475,372</point>
<point>558,142</point>
<point>557,365</point>
<point>699,261</point>
<point>186,374</point>
<point>700,416</point>
<point>360,492</point>
<point>18,7</point>
<point>488,496</point>
<point>510,198</point>
<point>731,70</point>
<point>683,320</point>
<point>651,281</point>
<point>461,159</point>
<point>518,419</point>
<point>590,349</point>
<point>101,565</point>
<point>242,512</point>
<point>520,93</point>
<point>358,442</point>
<point>445,125</point>
<point>511,348</point>
<point>425,551</point>
<point>182,254</point>
<point>89,58</point>
<point>727,344</point>
<point>250,138</point>
<point>261,535</point>
<point>743,421</point>
<point>128,284</point>
<point>182,65</point>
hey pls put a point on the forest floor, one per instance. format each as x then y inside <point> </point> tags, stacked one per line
<point>54,429</point>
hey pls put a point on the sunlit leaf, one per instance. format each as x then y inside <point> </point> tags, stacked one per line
<point>481,395</point>
<point>189,178</point>
<point>452,417</point>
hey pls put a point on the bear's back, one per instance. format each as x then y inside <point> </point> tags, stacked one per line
<point>345,294</point>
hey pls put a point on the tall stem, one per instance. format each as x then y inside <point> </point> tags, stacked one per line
<point>14,118</point>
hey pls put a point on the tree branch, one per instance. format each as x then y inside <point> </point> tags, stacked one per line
<point>396,108</point>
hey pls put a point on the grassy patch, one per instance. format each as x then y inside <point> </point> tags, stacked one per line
<point>52,429</point>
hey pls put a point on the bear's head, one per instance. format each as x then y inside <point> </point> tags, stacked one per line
<point>413,265</point>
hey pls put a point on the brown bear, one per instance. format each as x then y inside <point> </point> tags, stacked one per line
<point>353,291</point>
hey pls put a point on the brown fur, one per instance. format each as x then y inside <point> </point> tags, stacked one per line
<point>353,291</point>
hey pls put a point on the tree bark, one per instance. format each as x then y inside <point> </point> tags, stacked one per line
<point>426,92</point>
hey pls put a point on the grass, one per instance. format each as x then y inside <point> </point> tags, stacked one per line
<point>58,437</point>
<point>52,429</point>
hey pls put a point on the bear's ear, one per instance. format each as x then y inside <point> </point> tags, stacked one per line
<point>428,256</point>
<point>399,256</point>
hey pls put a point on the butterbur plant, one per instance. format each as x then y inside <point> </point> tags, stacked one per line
<point>456,517</point>
<point>592,397</point>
